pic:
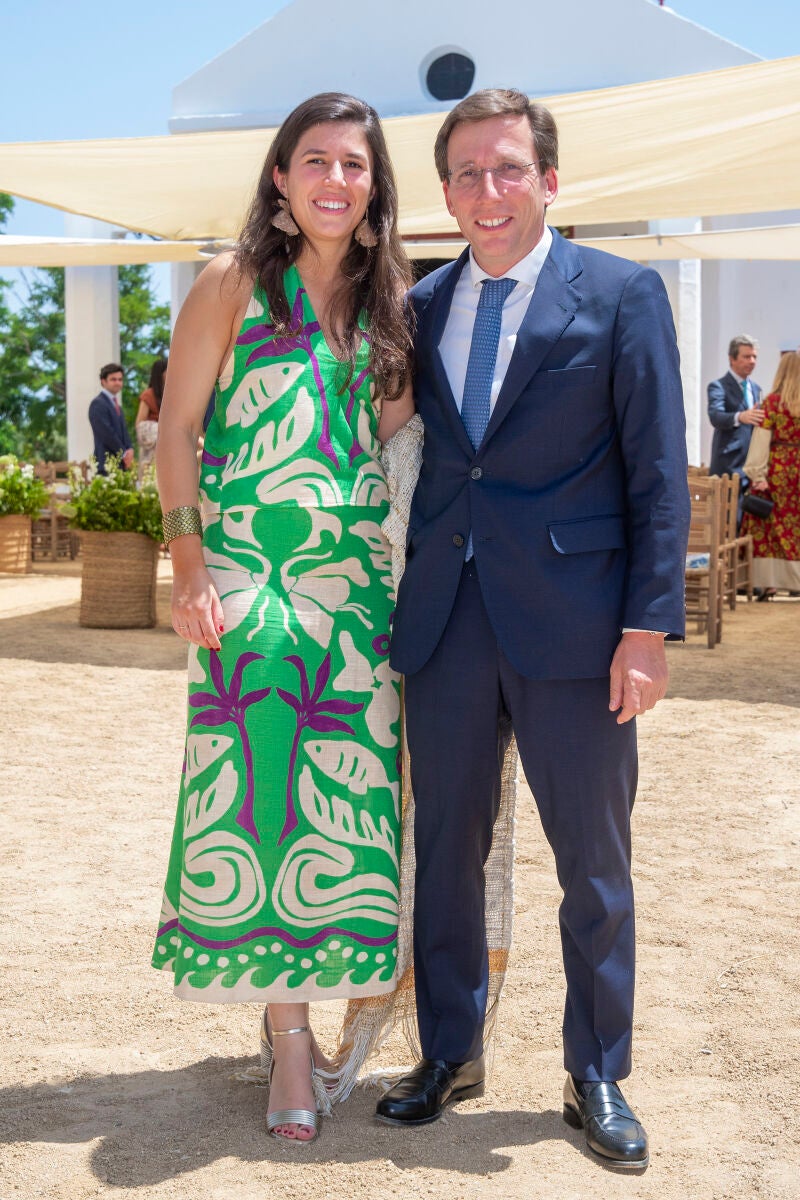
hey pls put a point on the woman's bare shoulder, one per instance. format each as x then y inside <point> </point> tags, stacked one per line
<point>222,281</point>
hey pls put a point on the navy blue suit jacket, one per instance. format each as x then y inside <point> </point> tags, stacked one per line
<point>109,428</point>
<point>731,441</point>
<point>577,497</point>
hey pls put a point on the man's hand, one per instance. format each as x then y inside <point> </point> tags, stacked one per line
<point>639,675</point>
<point>127,459</point>
<point>753,416</point>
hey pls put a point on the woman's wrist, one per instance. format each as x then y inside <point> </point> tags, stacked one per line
<point>177,522</point>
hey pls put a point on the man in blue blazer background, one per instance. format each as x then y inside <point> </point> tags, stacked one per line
<point>545,566</point>
<point>731,408</point>
<point>108,420</point>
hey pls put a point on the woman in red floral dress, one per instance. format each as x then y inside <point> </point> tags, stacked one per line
<point>773,468</point>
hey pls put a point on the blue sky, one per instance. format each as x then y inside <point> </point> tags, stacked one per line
<point>90,69</point>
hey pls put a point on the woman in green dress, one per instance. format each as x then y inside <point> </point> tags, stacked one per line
<point>282,884</point>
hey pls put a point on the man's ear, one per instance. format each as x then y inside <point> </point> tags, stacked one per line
<point>446,190</point>
<point>550,185</point>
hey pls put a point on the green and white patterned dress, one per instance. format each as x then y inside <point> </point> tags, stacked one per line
<point>282,882</point>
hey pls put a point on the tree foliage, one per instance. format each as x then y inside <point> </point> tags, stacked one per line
<point>143,333</point>
<point>32,353</point>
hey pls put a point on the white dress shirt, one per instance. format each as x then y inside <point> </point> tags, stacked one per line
<point>457,336</point>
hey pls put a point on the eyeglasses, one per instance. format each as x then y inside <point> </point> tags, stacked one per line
<point>467,179</point>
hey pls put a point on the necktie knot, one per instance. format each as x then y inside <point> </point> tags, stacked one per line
<point>495,292</point>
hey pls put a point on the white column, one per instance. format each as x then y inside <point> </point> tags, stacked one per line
<point>684,285</point>
<point>91,309</point>
<point>182,275</point>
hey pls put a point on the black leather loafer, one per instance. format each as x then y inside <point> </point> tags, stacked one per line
<point>418,1098</point>
<point>611,1129</point>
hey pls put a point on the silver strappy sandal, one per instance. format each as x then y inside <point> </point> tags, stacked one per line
<point>289,1116</point>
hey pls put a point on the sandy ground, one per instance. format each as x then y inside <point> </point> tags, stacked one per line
<point>111,1088</point>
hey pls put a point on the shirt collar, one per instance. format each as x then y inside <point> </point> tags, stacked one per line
<point>110,395</point>
<point>525,271</point>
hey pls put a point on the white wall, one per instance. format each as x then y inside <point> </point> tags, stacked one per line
<point>91,309</point>
<point>380,51</point>
<point>757,298</point>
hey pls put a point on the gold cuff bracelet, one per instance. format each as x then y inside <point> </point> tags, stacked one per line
<point>179,521</point>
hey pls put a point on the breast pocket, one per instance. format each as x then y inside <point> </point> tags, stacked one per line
<point>569,378</point>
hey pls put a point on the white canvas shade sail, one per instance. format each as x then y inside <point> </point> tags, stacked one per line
<point>92,252</point>
<point>775,242</point>
<point>717,143</point>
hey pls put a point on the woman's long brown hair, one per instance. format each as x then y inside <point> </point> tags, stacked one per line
<point>787,382</point>
<point>378,277</point>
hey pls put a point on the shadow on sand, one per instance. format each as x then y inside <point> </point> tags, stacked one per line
<point>157,1125</point>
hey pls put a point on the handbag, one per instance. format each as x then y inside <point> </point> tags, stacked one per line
<point>757,506</point>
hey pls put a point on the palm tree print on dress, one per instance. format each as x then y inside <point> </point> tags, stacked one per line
<point>312,713</point>
<point>229,705</point>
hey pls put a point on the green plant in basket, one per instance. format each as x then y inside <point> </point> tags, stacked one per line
<point>114,502</point>
<point>21,494</point>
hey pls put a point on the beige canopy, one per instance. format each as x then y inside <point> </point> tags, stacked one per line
<point>92,252</point>
<point>779,242</point>
<point>716,143</point>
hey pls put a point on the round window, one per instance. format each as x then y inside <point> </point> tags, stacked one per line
<point>450,76</point>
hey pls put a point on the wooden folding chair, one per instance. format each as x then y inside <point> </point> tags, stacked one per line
<point>52,536</point>
<point>737,549</point>
<point>705,560</point>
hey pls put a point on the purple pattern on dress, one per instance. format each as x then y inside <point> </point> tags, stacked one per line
<point>229,705</point>
<point>272,931</point>
<point>311,712</point>
<point>276,347</point>
<point>213,460</point>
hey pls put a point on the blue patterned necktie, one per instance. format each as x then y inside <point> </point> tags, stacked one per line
<point>483,356</point>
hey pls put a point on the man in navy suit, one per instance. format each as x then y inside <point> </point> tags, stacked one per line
<point>731,409</point>
<point>545,566</point>
<point>108,420</point>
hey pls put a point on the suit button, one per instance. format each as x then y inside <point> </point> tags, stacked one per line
<point>476,473</point>
<point>458,540</point>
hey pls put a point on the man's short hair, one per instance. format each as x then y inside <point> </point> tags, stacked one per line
<point>110,369</point>
<point>501,102</point>
<point>743,339</point>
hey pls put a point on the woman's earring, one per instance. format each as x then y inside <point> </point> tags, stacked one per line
<point>365,235</point>
<point>284,220</point>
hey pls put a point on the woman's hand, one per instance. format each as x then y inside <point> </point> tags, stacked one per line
<point>760,485</point>
<point>197,614</point>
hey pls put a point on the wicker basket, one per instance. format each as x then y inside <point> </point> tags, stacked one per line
<point>15,545</point>
<point>118,584</point>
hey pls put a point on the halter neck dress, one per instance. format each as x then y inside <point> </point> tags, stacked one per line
<point>282,882</point>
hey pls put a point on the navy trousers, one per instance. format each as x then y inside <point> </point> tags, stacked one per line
<point>461,708</point>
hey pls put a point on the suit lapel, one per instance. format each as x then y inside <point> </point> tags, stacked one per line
<point>436,320</point>
<point>551,310</point>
